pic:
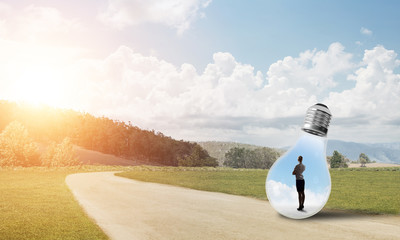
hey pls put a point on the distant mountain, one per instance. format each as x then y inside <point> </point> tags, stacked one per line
<point>218,149</point>
<point>379,152</point>
<point>395,146</point>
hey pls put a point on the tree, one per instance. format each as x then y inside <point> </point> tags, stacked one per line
<point>60,155</point>
<point>265,157</point>
<point>235,157</point>
<point>198,158</point>
<point>363,159</point>
<point>338,160</point>
<point>363,162</point>
<point>16,147</point>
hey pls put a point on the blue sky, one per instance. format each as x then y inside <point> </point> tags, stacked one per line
<point>311,148</point>
<point>261,32</point>
<point>243,71</point>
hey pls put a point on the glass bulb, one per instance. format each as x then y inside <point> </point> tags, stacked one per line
<point>281,186</point>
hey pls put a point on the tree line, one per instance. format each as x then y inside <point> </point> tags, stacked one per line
<point>262,157</point>
<point>239,157</point>
<point>46,125</point>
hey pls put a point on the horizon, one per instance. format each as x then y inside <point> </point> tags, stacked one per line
<point>289,146</point>
<point>209,71</point>
<point>35,105</point>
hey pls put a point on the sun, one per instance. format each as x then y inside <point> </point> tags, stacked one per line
<point>38,84</point>
<point>39,74</point>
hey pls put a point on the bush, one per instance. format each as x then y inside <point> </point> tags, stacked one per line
<point>60,155</point>
<point>17,148</point>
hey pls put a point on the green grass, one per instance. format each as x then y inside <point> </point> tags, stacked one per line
<point>35,203</point>
<point>369,190</point>
<point>226,180</point>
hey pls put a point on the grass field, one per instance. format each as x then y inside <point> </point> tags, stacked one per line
<point>370,190</point>
<point>35,203</point>
<point>373,190</point>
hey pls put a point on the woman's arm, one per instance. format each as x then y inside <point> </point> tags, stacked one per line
<point>295,170</point>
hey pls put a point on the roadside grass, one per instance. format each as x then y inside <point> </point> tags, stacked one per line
<point>36,203</point>
<point>373,190</point>
<point>365,190</point>
<point>244,182</point>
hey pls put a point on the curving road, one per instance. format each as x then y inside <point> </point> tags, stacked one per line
<point>128,209</point>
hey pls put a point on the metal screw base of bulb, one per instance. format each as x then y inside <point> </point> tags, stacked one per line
<point>317,120</point>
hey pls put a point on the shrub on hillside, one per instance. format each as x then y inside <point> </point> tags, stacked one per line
<point>17,148</point>
<point>60,155</point>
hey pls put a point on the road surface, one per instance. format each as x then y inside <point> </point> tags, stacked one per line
<point>128,209</point>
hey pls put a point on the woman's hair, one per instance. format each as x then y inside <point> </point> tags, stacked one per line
<point>300,158</point>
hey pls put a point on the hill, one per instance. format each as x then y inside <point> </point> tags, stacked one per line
<point>45,125</point>
<point>379,152</point>
<point>90,157</point>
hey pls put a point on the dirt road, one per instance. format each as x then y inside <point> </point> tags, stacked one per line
<point>128,209</point>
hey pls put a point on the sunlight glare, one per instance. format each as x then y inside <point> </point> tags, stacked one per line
<point>38,84</point>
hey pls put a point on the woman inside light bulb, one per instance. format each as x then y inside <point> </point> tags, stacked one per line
<point>298,171</point>
<point>280,188</point>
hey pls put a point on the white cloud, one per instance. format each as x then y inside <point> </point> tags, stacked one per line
<point>35,24</point>
<point>284,199</point>
<point>282,194</point>
<point>369,111</point>
<point>366,31</point>
<point>159,90</point>
<point>312,70</point>
<point>231,101</point>
<point>227,101</point>
<point>377,90</point>
<point>178,14</point>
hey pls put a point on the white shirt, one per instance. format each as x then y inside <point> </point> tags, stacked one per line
<point>298,171</point>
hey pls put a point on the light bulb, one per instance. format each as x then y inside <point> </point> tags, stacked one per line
<point>281,184</point>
